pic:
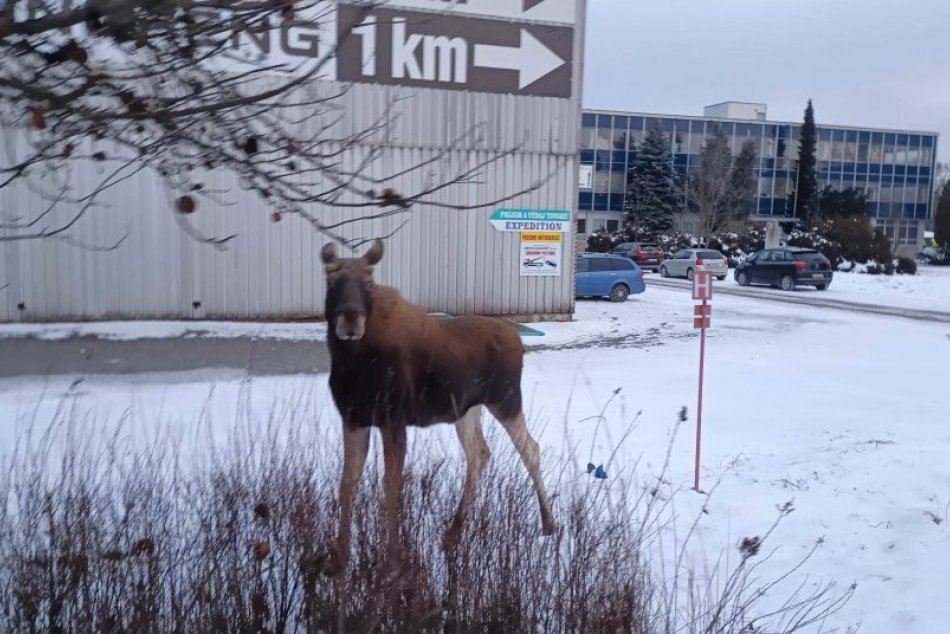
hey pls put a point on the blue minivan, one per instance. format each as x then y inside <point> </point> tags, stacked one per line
<point>607,275</point>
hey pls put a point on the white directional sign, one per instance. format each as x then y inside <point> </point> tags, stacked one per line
<point>455,51</point>
<point>532,59</point>
<point>556,11</point>
<point>532,220</point>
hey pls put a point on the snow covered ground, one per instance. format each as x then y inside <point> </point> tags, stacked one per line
<point>146,329</point>
<point>928,290</point>
<point>838,412</point>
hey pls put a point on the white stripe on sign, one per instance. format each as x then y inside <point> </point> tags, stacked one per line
<point>554,11</point>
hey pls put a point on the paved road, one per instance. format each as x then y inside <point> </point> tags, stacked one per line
<point>21,356</point>
<point>812,299</point>
<point>24,356</point>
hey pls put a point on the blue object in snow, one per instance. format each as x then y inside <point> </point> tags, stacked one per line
<point>590,467</point>
<point>600,474</point>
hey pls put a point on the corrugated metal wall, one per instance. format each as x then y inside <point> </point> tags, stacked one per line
<point>445,260</point>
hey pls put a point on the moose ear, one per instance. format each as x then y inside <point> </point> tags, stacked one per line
<point>375,254</point>
<point>328,253</point>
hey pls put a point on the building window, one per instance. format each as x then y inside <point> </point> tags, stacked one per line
<point>587,138</point>
<point>697,137</point>
<point>618,182</point>
<point>613,226</point>
<point>635,137</point>
<point>781,188</point>
<point>900,232</point>
<point>837,146</point>
<point>604,137</point>
<point>877,149</point>
<point>890,148</point>
<point>601,181</point>
<point>912,228</point>
<point>913,151</point>
<point>679,143</point>
<point>581,226</point>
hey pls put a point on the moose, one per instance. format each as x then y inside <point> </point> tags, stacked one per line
<point>394,366</point>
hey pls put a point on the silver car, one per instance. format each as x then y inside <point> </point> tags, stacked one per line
<point>685,262</point>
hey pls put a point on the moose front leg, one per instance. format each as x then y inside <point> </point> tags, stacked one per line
<point>394,459</point>
<point>355,448</point>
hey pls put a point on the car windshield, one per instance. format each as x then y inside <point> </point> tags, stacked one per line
<point>650,248</point>
<point>809,256</point>
<point>710,255</point>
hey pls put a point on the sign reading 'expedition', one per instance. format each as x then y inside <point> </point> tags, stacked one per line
<point>556,220</point>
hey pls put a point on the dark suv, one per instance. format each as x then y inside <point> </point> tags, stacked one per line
<point>786,267</point>
<point>647,255</point>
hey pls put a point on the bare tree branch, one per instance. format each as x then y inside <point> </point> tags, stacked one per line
<point>159,85</point>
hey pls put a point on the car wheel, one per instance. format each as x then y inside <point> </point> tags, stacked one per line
<point>822,287</point>
<point>689,274</point>
<point>788,283</point>
<point>664,272</point>
<point>742,278</point>
<point>619,293</point>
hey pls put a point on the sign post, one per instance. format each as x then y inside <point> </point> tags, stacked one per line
<point>702,315</point>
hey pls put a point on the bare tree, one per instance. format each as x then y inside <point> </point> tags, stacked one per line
<point>722,187</point>
<point>159,85</point>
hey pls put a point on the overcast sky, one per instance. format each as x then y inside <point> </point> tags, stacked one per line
<point>875,63</point>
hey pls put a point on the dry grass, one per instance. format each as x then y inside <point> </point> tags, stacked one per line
<point>120,534</point>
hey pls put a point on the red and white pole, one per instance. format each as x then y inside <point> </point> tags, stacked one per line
<point>699,405</point>
<point>702,290</point>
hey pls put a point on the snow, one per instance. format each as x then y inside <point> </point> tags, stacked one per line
<point>928,290</point>
<point>838,412</point>
<point>133,330</point>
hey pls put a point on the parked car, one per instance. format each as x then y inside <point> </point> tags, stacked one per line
<point>607,275</point>
<point>685,262</point>
<point>645,254</point>
<point>786,267</point>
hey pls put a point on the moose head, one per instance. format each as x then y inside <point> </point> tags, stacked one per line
<point>349,300</point>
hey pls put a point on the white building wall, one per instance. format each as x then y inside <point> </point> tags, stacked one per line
<point>446,260</point>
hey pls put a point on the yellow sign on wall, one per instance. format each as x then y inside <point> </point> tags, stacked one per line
<point>541,254</point>
<point>534,236</point>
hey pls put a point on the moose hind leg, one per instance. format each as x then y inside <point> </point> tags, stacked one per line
<point>530,453</point>
<point>477,454</point>
<point>355,448</point>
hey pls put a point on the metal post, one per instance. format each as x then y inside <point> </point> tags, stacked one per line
<point>699,407</point>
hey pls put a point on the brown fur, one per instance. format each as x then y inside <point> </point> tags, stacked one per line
<point>393,366</point>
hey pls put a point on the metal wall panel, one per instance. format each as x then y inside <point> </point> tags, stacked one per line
<point>445,260</point>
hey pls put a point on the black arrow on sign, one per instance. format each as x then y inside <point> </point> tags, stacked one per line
<point>530,4</point>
